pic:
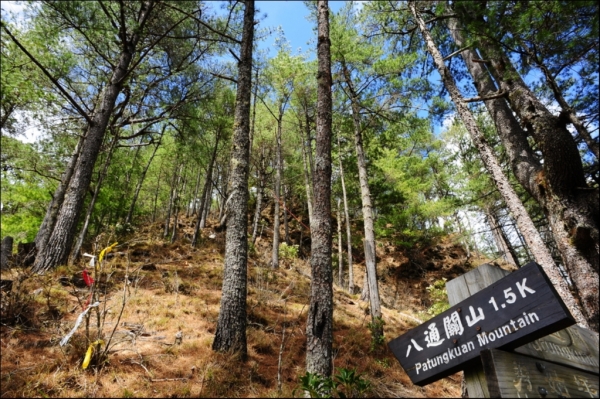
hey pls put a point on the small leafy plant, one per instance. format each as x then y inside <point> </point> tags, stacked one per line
<point>346,383</point>
<point>439,297</point>
<point>288,251</point>
<point>377,339</point>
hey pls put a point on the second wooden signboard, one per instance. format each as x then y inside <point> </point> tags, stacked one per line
<point>513,311</point>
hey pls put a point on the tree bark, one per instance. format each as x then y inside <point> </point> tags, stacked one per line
<point>319,324</point>
<point>276,195</point>
<point>307,180</point>
<point>347,217</point>
<point>286,228</point>
<point>259,193</point>
<point>340,253</point>
<point>57,249</point>
<point>179,194</point>
<point>75,254</point>
<point>566,108</point>
<point>571,212</point>
<point>157,191</point>
<point>6,252</point>
<point>372,289</point>
<point>207,183</point>
<point>47,226</point>
<point>504,246</point>
<point>534,240</point>
<point>170,206</point>
<point>138,187</point>
<point>231,325</point>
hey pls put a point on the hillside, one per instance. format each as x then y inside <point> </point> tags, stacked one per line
<point>173,290</point>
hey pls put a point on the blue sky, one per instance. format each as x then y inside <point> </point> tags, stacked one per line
<point>292,17</point>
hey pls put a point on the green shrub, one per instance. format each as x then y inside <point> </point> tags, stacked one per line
<point>439,297</point>
<point>345,383</point>
<point>288,251</point>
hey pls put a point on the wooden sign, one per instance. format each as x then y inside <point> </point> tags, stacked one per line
<point>573,347</point>
<point>511,375</point>
<point>515,310</point>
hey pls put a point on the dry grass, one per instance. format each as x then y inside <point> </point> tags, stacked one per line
<point>180,292</point>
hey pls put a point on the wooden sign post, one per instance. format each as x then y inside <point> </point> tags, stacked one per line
<point>509,375</point>
<point>573,347</point>
<point>510,312</point>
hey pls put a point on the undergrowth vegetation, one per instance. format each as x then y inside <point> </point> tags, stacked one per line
<point>151,333</point>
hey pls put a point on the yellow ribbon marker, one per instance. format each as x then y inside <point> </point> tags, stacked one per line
<point>90,351</point>
<point>105,251</point>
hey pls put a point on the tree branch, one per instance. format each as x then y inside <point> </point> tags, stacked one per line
<point>49,75</point>
<point>455,53</point>
<point>210,28</point>
<point>234,55</point>
<point>499,94</point>
<point>224,77</point>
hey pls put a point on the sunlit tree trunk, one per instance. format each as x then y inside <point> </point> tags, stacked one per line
<point>504,246</point>
<point>370,286</point>
<point>76,250</point>
<point>205,190</point>
<point>307,180</point>
<point>138,187</point>
<point>286,228</point>
<point>347,218</point>
<point>57,249</point>
<point>563,207</point>
<point>172,193</point>
<point>319,323</point>
<point>340,253</point>
<point>259,193</point>
<point>179,194</point>
<point>534,240</point>
<point>47,225</point>
<point>231,324</point>
<point>276,194</point>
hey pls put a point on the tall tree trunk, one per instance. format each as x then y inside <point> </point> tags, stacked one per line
<point>126,185</point>
<point>171,201</point>
<point>57,249</point>
<point>179,194</point>
<point>157,191</point>
<point>504,246</point>
<point>192,205</point>
<point>340,253</point>
<point>253,119</point>
<point>259,193</point>
<point>6,249</point>
<point>565,107</point>
<point>347,217</point>
<point>208,204</point>
<point>75,254</point>
<point>231,325</point>
<point>207,183</point>
<point>319,323</point>
<point>307,180</point>
<point>462,235</point>
<point>47,226</point>
<point>276,195</point>
<point>569,213</point>
<point>224,197</point>
<point>138,187</point>
<point>367,210</point>
<point>286,228</point>
<point>534,240</point>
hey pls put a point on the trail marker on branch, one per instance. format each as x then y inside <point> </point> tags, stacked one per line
<point>513,311</point>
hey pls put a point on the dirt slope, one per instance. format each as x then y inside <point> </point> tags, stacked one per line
<point>172,290</point>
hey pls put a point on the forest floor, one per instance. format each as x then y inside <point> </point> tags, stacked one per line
<point>171,290</point>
